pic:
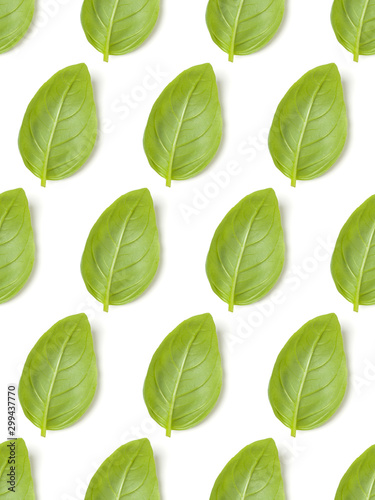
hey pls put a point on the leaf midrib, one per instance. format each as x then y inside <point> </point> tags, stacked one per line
<point>302,385</point>
<point>109,31</point>
<point>177,384</point>
<point>370,491</point>
<point>242,250</point>
<point>302,135</point>
<point>126,472</point>
<point>178,130</point>
<point>359,30</point>
<point>250,473</point>
<point>49,395</point>
<point>234,30</point>
<point>114,260</point>
<point>52,134</point>
<point>7,211</point>
<point>362,270</point>
<point>368,497</point>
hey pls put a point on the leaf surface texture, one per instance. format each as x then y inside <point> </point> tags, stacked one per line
<point>184,378</point>
<point>59,378</point>
<point>59,128</point>
<point>17,248</point>
<point>121,255</point>
<point>128,474</point>
<point>309,379</point>
<point>358,482</point>
<point>353,260</point>
<point>309,129</point>
<point>253,474</point>
<point>353,22</point>
<point>116,27</point>
<point>241,27</point>
<point>184,128</point>
<point>24,488</point>
<point>246,255</point>
<point>15,19</point>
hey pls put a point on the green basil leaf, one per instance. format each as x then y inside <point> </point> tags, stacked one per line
<point>358,482</point>
<point>309,378</point>
<point>121,255</point>
<point>116,27</point>
<point>17,247</point>
<point>59,128</point>
<point>242,27</point>
<point>353,260</point>
<point>15,483</point>
<point>353,22</point>
<point>184,129</point>
<point>254,473</point>
<point>129,473</point>
<point>15,19</point>
<point>59,378</point>
<point>184,378</point>
<point>246,255</point>
<point>308,132</point>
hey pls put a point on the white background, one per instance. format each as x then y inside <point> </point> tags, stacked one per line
<point>126,337</point>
